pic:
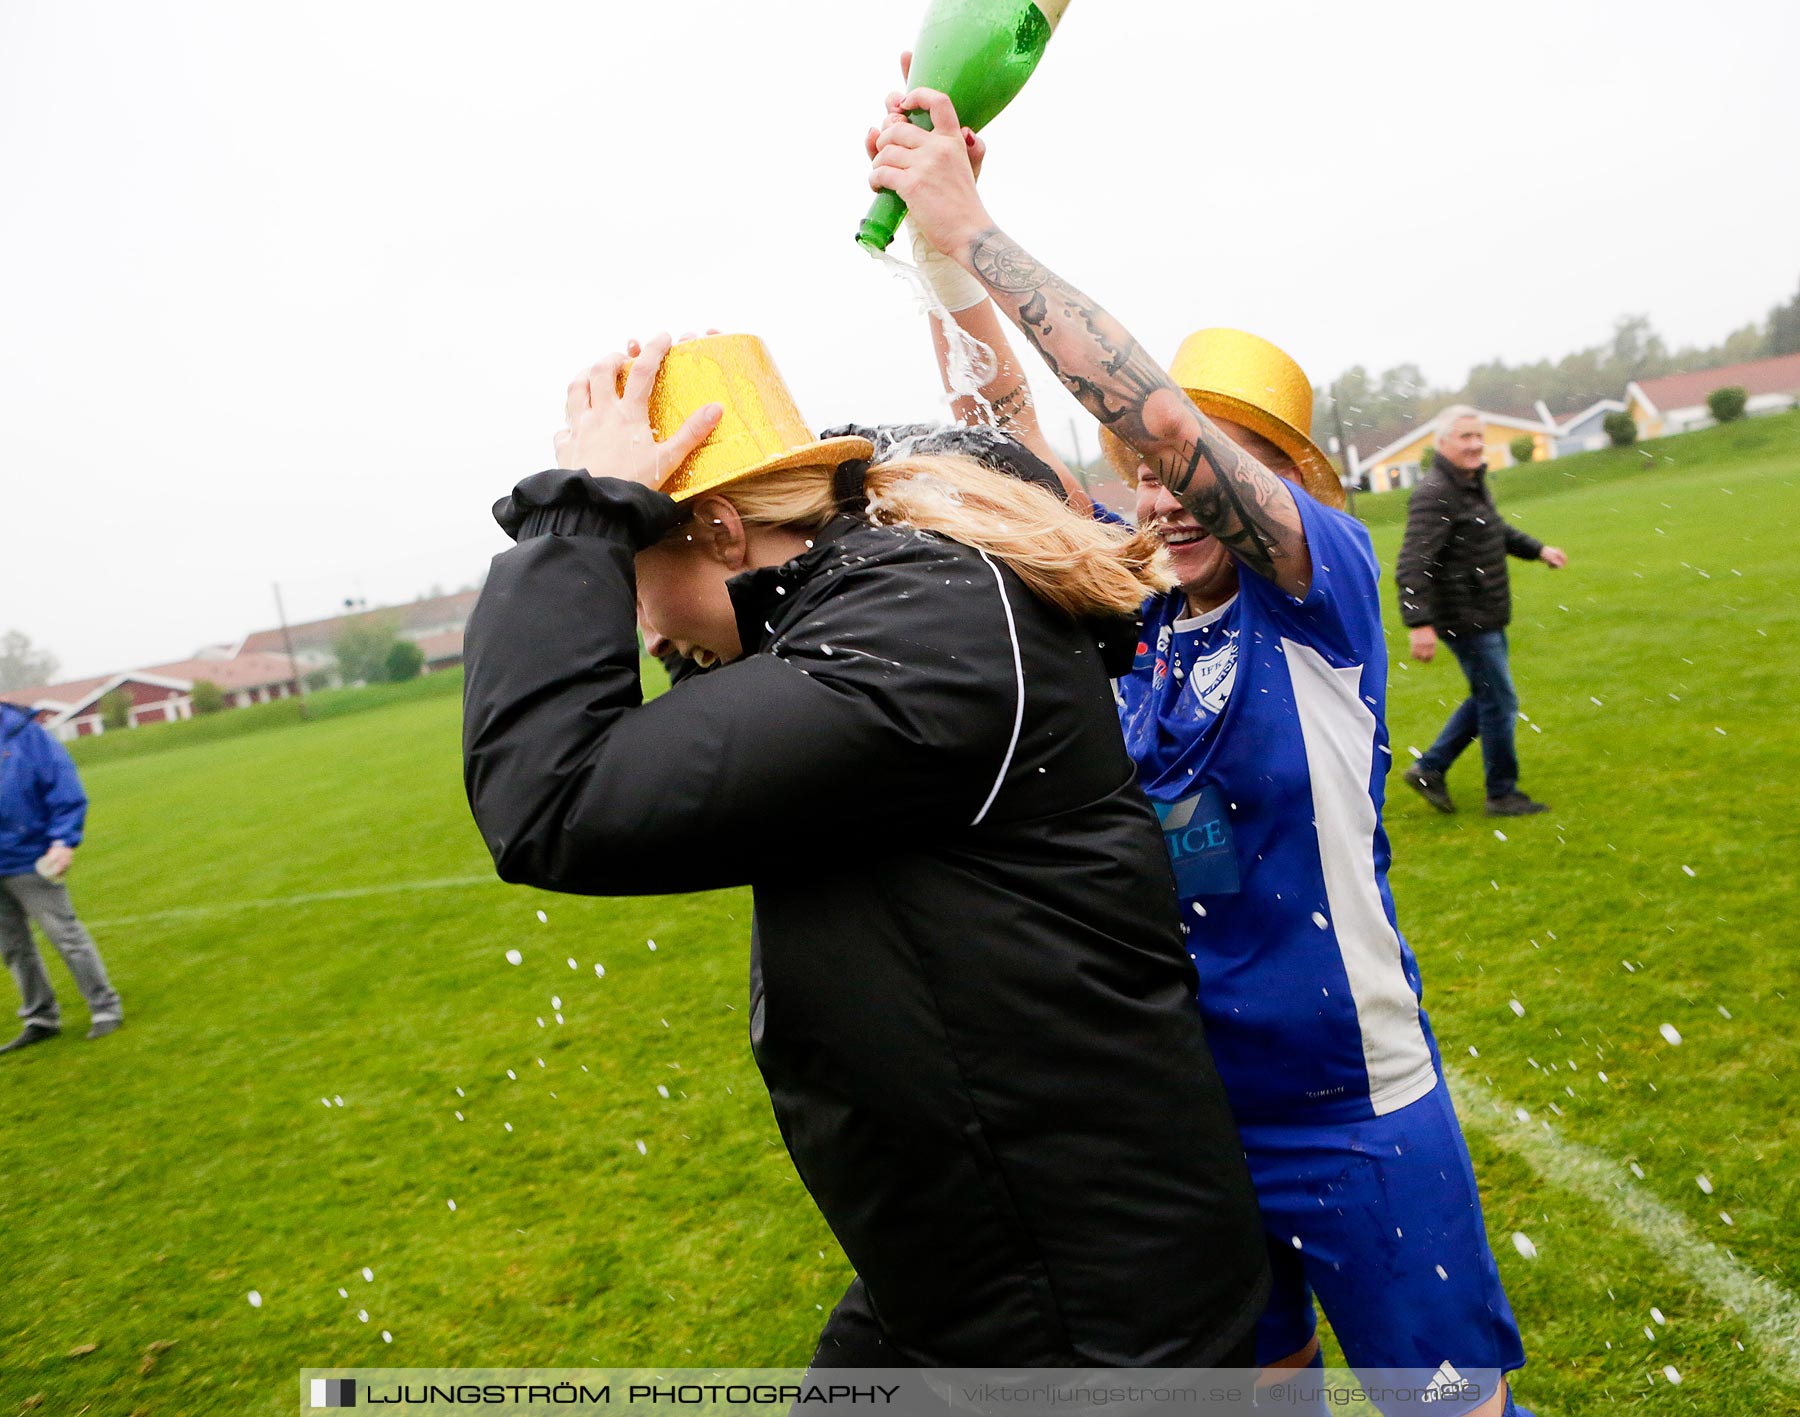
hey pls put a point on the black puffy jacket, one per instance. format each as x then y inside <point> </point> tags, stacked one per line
<point>1452,568</point>
<point>969,996</point>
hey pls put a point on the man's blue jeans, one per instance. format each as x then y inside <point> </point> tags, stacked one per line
<point>1488,713</point>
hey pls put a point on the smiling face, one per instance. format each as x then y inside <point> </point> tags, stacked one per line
<point>1464,444</point>
<point>1204,570</point>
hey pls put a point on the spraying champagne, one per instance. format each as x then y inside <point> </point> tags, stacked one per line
<point>980,53</point>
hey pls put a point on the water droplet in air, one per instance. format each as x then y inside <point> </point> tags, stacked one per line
<point>368,1275</point>
<point>1657,1314</point>
<point>543,919</point>
<point>1726,1217</point>
<point>255,1299</point>
<point>514,957</point>
<point>572,964</point>
<point>651,943</point>
<point>556,1001</point>
<point>451,1204</point>
<point>1516,1007</point>
<point>1671,1374</point>
<point>1499,835</point>
<point>1296,1242</point>
<point>363,1314</point>
<point>643,1150</point>
<point>1670,1035</point>
<point>1442,1273</point>
<point>661,1091</point>
<point>1522,1243</point>
<point>1321,921</point>
<point>599,971</point>
<point>386,1337</point>
<point>1705,1185</point>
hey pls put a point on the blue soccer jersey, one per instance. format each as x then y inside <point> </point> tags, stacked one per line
<point>1259,734</point>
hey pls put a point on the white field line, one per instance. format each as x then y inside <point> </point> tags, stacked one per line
<point>1770,1312</point>
<point>226,907</point>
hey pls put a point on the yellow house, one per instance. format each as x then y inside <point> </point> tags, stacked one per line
<point>1397,465</point>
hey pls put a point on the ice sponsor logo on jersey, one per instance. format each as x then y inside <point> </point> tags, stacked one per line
<point>1197,832</point>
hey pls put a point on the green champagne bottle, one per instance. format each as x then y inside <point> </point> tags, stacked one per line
<point>980,53</point>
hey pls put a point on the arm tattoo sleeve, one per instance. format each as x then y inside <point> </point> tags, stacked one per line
<point>1229,492</point>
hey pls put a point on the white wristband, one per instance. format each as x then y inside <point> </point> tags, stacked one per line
<point>953,286</point>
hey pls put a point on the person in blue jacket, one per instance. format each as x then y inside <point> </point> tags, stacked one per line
<point>42,812</point>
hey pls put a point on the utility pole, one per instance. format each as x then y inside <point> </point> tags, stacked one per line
<point>1080,468</point>
<point>1337,417</point>
<point>287,643</point>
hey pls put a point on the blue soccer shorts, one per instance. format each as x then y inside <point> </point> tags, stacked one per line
<point>1380,1220</point>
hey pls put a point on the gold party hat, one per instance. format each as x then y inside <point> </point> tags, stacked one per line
<point>1235,375</point>
<point>762,430</point>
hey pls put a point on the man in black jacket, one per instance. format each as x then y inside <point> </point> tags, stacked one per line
<point>1453,582</point>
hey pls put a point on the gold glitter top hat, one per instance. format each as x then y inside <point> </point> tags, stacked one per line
<point>761,431</point>
<point>1234,375</point>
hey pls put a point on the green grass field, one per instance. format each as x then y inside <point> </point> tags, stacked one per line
<point>327,1046</point>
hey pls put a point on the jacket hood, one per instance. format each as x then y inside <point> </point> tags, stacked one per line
<point>13,719</point>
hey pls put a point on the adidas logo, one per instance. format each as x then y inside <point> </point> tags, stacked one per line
<point>1446,1383</point>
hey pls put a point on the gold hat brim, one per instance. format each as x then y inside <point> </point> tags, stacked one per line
<point>826,452</point>
<point>1317,475</point>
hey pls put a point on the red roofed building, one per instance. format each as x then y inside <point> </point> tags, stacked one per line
<point>163,693</point>
<point>1677,402</point>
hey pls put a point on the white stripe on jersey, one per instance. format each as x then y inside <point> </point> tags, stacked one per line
<point>1339,733</point>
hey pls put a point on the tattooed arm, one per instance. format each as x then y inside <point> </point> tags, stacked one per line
<point>1227,490</point>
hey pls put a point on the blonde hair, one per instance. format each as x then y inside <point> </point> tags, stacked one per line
<point>1081,566</point>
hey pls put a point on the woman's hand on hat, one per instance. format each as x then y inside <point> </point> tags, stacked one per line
<point>932,169</point>
<point>608,431</point>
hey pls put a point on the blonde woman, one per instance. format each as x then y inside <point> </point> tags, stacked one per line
<point>969,997</point>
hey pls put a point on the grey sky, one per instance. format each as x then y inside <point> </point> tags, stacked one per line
<point>293,291</point>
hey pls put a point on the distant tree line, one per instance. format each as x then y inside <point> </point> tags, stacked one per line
<point>1377,408</point>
